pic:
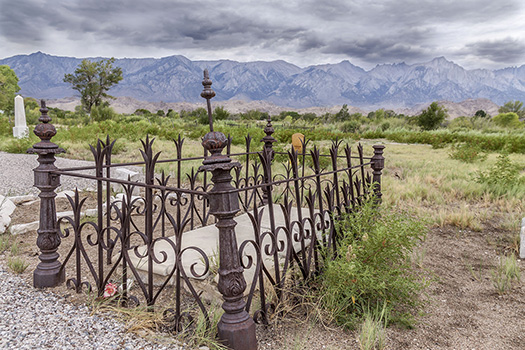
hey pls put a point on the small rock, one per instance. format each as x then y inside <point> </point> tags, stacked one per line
<point>23,228</point>
<point>7,207</point>
<point>17,200</point>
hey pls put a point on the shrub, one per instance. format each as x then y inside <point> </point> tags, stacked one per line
<point>351,126</point>
<point>507,120</point>
<point>100,113</point>
<point>5,128</point>
<point>372,267</point>
<point>432,117</point>
<point>467,152</point>
<point>14,145</point>
<point>503,173</point>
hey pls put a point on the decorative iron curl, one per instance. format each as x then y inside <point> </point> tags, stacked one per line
<point>261,316</point>
<point>72,283</point>
<point>176,323</point>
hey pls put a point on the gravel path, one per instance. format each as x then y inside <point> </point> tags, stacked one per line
<point>37,319</point>
<point>16,176</point>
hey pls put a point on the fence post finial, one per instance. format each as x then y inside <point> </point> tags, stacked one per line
<point>48,273</point>
<point>378,164</point>
<point>236,328</point>
<point>268,148</point>
<point>208,94</point>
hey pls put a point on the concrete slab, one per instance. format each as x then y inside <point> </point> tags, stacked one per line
<point>207,239</point>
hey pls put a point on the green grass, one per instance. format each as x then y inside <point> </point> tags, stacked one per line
<point>505,274</point>
<point>4,242</point>
<point>17,264</point>
<point>373,266</point>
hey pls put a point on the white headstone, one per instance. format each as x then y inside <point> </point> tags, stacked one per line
<point>20,130</point>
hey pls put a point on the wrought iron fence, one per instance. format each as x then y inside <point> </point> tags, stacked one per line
<point>157,239</point>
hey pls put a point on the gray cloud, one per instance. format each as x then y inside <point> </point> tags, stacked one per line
<point>506,50</point>
<point>382,49</point>
<point>373,31</point>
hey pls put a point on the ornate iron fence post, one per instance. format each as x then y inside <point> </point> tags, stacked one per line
<point>236,327</point>
<point>268,147</point>
<point>377,167</point>
<point>48,273</point>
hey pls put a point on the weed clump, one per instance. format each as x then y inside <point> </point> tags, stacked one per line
<point>506,273</point>
<point>17,265</point>
<point>468,153</point>
<point>372,268</point>
<point>503,178</point>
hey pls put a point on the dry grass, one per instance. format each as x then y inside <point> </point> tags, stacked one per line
<point>429,183</point>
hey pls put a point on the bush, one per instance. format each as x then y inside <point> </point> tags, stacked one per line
<point>432,117</point>
<point>507,120</point>
<point>467,152</point>
<point>14,145</point>
<point>351,126</point>
<point>503,174</point>
<point>372,267</point>
<point>100,113</point>
<point>5,128</point>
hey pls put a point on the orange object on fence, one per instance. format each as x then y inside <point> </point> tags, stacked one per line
<point>297,142</point>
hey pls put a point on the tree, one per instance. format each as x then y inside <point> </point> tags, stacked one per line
<point>93,80</point>
<point>219,113</point>
<point>343,114</point>
<point>513,107</point>
<point>432,117</point>
<point>507,120</point>
<point>8,89</point>
<point>481,114</point>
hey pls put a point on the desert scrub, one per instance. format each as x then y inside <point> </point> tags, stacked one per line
<point>372,334</point>
<point>467,152</point>
<point>503,178</point>
<point>17,265</point>
<point>372,267</point>
<point>505,274</point>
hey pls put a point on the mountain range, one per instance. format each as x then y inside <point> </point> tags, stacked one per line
<point>178,79</point>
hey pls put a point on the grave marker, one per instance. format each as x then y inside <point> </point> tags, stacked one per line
<point>20,130</point>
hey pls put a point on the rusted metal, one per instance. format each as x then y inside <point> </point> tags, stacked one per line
<point>208,94</point>
<point>48,272</point>
<point>292,208</point>
<point>268,148</point>
<point>378,163</point>
<point>236,328</point>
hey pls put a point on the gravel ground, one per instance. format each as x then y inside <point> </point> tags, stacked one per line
<point>17,176</point>
<point>37,319</point>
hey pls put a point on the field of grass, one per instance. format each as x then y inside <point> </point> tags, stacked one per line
<point>470,179</point>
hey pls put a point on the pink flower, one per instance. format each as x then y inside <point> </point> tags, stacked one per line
<point>110,290</point>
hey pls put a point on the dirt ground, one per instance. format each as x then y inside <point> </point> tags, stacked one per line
<point>463,309</point>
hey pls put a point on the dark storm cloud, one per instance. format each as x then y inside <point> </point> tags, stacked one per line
<point>152,23</point>
<point>374,31</point>
<point>24,20</point>
<point>424,13</point>
<point>506,50</point>
<point>381,49</point>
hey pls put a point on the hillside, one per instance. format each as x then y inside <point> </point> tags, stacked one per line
<point>128,105</point>
<point>177,79</point>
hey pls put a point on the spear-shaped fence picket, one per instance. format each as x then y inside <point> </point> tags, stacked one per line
<point>269,217</point>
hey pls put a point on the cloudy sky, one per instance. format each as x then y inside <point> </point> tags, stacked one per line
<point>472,33</point>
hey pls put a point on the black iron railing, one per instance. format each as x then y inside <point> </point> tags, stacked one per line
<point>155,237</point>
